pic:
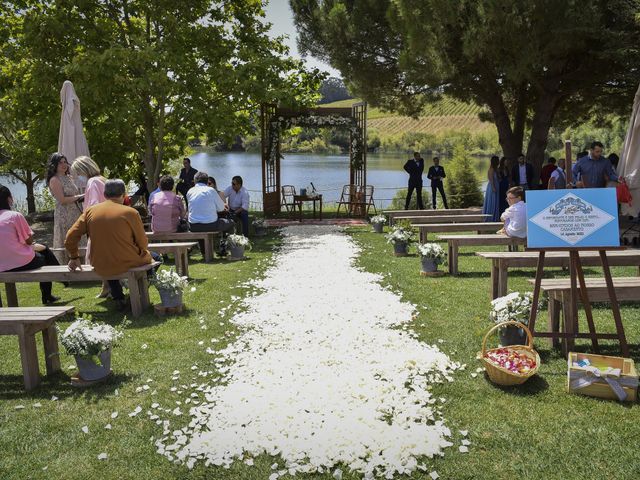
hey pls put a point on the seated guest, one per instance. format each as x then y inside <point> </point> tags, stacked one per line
<point>166,208</point>
<point>515,217</point>
<point>204,203</point>
<point>118,240</point>
<point>18,250</point>
<point>153,194</point>
<point>211,182</point>
<point>238,202</point>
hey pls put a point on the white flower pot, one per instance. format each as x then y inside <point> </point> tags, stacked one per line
<point>377,227</point>
<point>90,371</point>
<point>429,265</point>
<point>170,298</point>
<point>237,252</point>
<point>400,249</point>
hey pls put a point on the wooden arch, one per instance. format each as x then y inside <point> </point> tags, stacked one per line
<point>272,119</point>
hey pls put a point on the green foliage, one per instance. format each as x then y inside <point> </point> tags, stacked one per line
<point>524,61</point>
<point>151,78</point>
<point>463,189</point>
<point>400,197</point>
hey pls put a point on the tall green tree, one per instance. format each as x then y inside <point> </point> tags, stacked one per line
<point>152,73</point>
<point>530,62</point>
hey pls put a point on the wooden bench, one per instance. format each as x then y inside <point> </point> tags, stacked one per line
<point>502,261</point>
<point>25,323</point>
<point>392,214</point>
<point>207,237</point>
<point>137,278</point>
<point>480,227</point>
<point>466,218</point>
<point>179,250</point>
<point>457,241</point>
<point>559,291</point>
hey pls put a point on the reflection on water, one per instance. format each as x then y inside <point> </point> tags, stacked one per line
<point>327,172</point>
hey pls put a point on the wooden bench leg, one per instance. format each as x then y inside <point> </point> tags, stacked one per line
<point>28,357</point>
<point>495,289</point>
<point>51,350</point>
<point>12,294</point>
<point>554,320</point>
<point>568,342</point>
<point>143,283</point>
<point>503,277</point>
<point>453,258</point>
<point>208,249</point>
<point>134,295</point>
<point>183,261</point>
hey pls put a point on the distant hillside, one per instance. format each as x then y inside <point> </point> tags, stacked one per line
<point>445,115</point>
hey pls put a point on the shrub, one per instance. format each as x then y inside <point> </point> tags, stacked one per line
<point>463,189</point>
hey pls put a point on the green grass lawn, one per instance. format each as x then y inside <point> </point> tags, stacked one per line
<point>535,431</point>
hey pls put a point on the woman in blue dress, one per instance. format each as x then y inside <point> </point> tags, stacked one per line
<point>503,176</point>
<point>491,201</point>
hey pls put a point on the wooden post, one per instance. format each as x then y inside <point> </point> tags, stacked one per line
<point>567,160</point>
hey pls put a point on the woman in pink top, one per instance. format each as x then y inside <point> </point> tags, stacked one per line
<point>88,171</point>
<point>17,252</point>
<point>166,208</point>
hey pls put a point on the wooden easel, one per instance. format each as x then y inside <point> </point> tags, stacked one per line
<point>576,273</point>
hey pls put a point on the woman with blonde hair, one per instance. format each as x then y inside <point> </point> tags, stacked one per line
<point>88,172</point>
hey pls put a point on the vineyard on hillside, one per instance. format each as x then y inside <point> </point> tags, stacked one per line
<point>445,115</point>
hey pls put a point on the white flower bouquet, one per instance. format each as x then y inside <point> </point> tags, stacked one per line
<point>170,280</point>
<point>400,234</point>
<point>84,338</point>
<point>433,251</point>
<point>378,219</point>
<point>238,241</point>
<point>515,306</point>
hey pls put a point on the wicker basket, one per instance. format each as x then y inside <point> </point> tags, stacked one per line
<point>502,376</point>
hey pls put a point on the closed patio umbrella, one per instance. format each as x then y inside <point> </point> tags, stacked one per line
<point>71,141</point>
<point>629,166</point>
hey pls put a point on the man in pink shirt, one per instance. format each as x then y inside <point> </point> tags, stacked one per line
<point>166,208</point>
<point>17,252</point>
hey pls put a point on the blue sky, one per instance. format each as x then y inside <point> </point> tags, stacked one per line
<point>279,14</point>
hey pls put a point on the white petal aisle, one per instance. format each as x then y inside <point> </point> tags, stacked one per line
<point>318,376</point>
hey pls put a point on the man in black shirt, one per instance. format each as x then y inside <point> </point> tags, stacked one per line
<point>436,174</point>
<point>414,167</point>
<point>186,179</point>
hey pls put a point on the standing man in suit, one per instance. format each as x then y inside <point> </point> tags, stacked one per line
<point>436,174</point>
<point>414,167</point>
<point>186,181</point>
<point>522,174</point>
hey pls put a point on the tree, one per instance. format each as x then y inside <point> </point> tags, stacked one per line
<point>528,62</point>
<point>463,190</point>
<point>333,89</point>
<point>152,74</point>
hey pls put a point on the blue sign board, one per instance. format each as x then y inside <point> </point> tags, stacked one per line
<point>586,217</point>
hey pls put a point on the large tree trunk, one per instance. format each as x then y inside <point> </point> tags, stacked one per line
<point>149,145</point>
<point>31,198</point>
<point>510,138</point>
<point>544,111</point>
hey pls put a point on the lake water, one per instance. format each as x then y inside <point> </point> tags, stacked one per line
<point>327,172</point>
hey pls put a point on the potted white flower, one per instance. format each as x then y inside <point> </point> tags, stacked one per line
<point>237,245</point>
<point>170,286</point>
<point>259,227</point>
<point>378,222</point>
<point>515,306</point>
<point>431,255</point>
<point>401,236</point>
<point>91,343</point>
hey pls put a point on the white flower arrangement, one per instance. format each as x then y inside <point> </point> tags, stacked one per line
<point>170,280</point>
<point>238,241</point>
<point>515,306</point>
<point>432,251</point>
<point>379,219</point>
<point>85,338</point>
<point>400,234</point>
